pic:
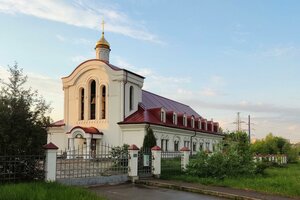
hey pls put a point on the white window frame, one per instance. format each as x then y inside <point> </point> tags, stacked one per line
<point>184,120</point>
<point>174,118</point>
<point>192,122</point>
<point>163,116</point>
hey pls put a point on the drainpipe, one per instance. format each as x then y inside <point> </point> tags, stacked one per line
<point>191,152</point>
<point>124,95</point>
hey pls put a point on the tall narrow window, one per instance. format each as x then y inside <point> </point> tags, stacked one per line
<point>192,122</point>
<point>163,116</point>
<point>201,146</point>
<point>174,118</point>
<point>81,104</point>
<point>131,98</point>
<point>93,100</point>
<point>103,102</point>
<point>176,145</point>
<point>184,120</point>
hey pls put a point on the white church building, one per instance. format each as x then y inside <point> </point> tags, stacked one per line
<point>105,103</point>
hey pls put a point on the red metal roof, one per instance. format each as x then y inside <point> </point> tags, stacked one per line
<point>57,123</point>
<point>149,111</point>
<point>90,130</point>
<point>150,100</point>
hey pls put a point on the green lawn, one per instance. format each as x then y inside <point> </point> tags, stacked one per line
<point>282,181</point>
<point>44,191</point>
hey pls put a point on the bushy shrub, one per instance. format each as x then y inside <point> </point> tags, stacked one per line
<point>234,160</point>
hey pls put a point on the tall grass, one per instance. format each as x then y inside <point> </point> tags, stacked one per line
<point>44,191</point>
<point>281,181</point>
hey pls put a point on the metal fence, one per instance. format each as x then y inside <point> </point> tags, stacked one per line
<point>21,168</point>
<point>170,163</point>
<point>106,161</point>
<point>145,163</point>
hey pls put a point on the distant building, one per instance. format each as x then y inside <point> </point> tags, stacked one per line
<point>105,103</point>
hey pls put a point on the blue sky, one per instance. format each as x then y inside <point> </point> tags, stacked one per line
<point>219,57</point>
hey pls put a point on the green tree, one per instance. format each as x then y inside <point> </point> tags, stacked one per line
<point>275,145</point>
<point>149,139</point>
<point>23,119</point>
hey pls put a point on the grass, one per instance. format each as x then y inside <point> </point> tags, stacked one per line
<point>45,191</point>
<point>283,181</point>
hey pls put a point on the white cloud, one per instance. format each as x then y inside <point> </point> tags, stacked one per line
<point>281,51</point>
<point>79,41</point>
<point>208,92</point>
<point>86,14</point>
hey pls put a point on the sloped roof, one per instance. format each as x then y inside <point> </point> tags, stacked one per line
<point>151,100</point>
<point>57,123</point>
<point>113,67</point>
<point>90,130</point>
<point>149,111</point>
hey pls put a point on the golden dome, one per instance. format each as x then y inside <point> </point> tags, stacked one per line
<point>102,42</point>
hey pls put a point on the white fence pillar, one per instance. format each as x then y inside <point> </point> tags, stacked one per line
<point>156,161</point>
<point>50,164</point>
<point>185,156</point>
<point>133,162</point>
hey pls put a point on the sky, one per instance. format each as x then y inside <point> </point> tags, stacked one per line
<point>219,57</point>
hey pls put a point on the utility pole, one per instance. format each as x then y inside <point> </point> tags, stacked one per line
<point>238,122</point>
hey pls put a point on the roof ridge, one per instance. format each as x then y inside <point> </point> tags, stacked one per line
<point>166,98</point>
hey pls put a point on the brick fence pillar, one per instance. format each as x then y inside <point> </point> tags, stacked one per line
<point>185,156</point>
<point>133,162</point>
<point>156,161</point>
<point>50,164</point>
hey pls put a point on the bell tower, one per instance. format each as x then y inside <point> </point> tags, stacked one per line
<point>102,47</point>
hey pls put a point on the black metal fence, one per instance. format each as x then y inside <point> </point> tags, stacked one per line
<point>22,168</point>
<point>145,163</point>
<point>106,161</point>
<point>170,164</point>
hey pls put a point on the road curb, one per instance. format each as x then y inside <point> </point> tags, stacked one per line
<point>195,190</point>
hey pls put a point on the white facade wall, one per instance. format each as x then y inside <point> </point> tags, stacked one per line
<point>134,134</point>
<point>114,82</point>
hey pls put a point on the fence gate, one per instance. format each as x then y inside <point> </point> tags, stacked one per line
<point>145,163</point>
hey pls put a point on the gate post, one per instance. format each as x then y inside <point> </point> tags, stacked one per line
<point>50,164</point>
<point>156,161</point>
<point>185,155</point>
<point>133,162</point>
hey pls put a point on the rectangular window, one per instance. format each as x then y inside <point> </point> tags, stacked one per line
<point>187,144</point>
<point>164,144</point>
<point>176,145</point>
<point>194,146</point>
<point>201,147</point>
<point>207,146</point>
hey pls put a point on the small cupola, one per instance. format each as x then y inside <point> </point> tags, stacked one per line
<point>102,47</point>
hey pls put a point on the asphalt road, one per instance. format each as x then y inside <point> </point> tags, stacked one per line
<point>137,192</point>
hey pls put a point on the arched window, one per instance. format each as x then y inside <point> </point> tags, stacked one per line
<point>192,122</point>
<point>131,98</point>
<point>163,116</point>
<point>184,120</point>
<point>81,94</point>
<point>93,99</point>
<point>103,102</point>
<point>174,118</point>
